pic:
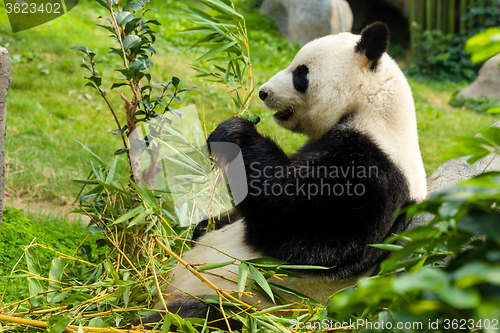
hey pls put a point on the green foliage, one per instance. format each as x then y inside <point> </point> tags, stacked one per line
<point>18,231</point>
<point>225,40</point>
<point>253,3</point>
<point>462,292</point>
<point>441,56</point>
<point>107,287</point>
<point>480,104</point>
<point>476,147</point>
<point>483,45</point>
<point>111,203</point>
<point>135,38</point>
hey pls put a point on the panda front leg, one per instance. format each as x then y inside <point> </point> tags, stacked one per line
<point>229,239</point>
<point>286,214</point>
<point>299,210</point>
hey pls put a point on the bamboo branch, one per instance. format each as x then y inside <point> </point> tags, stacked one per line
<point>198,275</point>
<point>38,323</point>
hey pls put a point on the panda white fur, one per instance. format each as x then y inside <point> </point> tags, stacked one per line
<point>355,105</point>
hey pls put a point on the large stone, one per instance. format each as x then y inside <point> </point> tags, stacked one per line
<point>301,21</point>
<point>453,171</point>
<point>487,83</point>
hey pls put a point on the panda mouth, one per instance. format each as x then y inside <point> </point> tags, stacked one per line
<point>283,115</point>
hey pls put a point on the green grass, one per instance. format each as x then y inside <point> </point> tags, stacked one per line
<point>49,107</point>
<point>19,230</point>
<point>438,122</point>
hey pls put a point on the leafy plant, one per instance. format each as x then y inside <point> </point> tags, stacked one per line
<point>481,104</point>
<point>452,263</point>
<point>441,56</point>
<point>135,38</point>
<point>483,45</point>
<point>225,39</point>
<point>140,227</point>
<point>111,281</point>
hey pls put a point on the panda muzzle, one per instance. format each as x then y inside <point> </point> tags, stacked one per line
<point>283,115</point>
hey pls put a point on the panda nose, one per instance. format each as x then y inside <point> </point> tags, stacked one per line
<point>263,95</point>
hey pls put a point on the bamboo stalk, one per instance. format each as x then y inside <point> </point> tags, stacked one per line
<point>463,9</point>
<point>439,16</point>
<point>38,323</point>
<point>482,4</point>
<point>446,4</point>
<point>451,16</point>
<point>412,28</point>
<point>63,255</point>
<point>470,21</point>
<point>428,15</point>
<point>421,12</point>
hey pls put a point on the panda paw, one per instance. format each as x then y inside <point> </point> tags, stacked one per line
<point>234,130</point>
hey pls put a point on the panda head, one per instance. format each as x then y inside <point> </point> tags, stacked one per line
<point>328,79</point>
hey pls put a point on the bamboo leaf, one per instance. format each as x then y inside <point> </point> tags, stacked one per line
<point>131,213</point>
<point>215,51</point>
<point>242,277</point>
<point>146,195</point>
<point>111,172</point>
<point>32,261</point>
<point>92,153</point>
<point>112,269</point>
<point>492,133</point>
<point>261,281</point>
<point>388,247</point>
<point>222,8</point>
<point>139,218</point>
<point>34,285</point>
<point>61,322</point>
<point>215,265</point>
<point>461,150</point>
<point>55,273</point>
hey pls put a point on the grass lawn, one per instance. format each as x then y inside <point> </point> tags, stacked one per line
<point>20,229</point>
<point>49,107</point>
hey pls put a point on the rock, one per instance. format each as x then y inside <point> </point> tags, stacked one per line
<point>301,21</point>
<point>451,173</point>
<point>487,82</point>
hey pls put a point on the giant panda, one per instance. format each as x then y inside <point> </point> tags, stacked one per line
<point>351,100</point>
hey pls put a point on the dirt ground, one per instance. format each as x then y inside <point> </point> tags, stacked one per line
<point>45,207</point>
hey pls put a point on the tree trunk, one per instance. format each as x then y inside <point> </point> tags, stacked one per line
<point>5,71</point>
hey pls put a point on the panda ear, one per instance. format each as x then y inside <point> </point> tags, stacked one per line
<point>374,42</point>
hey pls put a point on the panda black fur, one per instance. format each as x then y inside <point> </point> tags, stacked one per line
<point>355,105</point>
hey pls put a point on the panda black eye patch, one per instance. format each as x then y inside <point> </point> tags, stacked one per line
<point>300,81</point>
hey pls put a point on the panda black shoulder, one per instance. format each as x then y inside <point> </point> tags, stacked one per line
<point>344,224</point>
